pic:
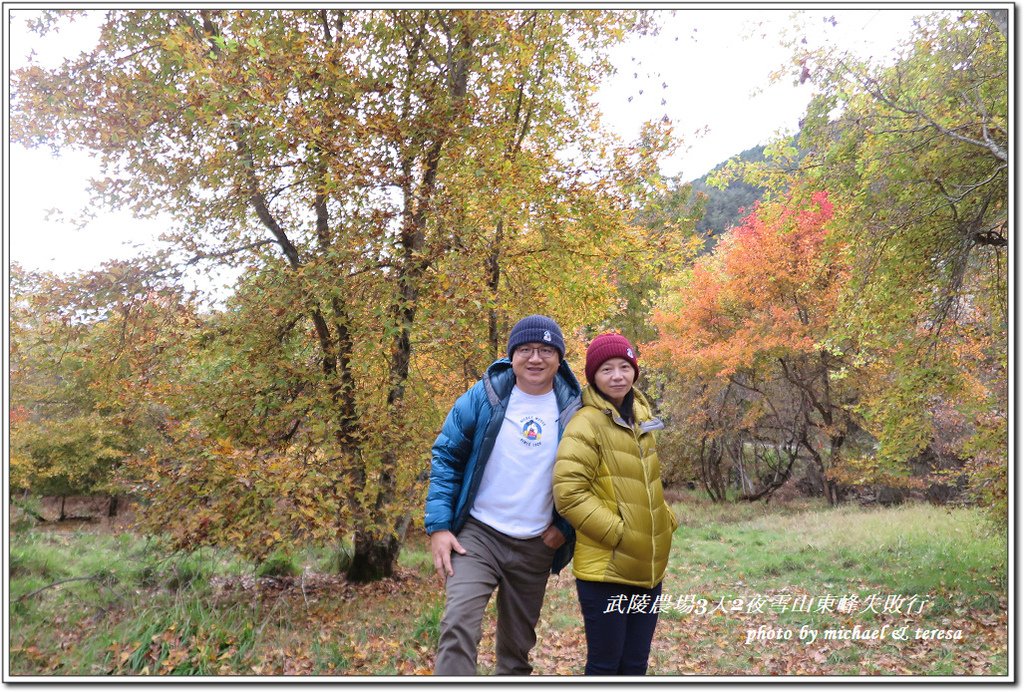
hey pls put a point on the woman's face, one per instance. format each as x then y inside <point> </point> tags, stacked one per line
<point>614,378</point>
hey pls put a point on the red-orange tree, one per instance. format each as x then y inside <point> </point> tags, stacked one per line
<point>751,322</point>
<point>914,152</point>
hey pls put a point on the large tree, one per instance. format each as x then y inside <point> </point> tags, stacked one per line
<point>382,178</point>
<point>916,153</point>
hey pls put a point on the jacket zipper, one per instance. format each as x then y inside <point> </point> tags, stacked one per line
<point>650,499</point>
<point>647,482</point>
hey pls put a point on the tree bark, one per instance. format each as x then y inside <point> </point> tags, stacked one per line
<point>493,283</point>
<point>373,557</point>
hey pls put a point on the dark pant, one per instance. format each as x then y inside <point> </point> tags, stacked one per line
<point>619,621</point>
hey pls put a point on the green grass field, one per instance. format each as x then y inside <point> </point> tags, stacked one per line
<point>916,567</point>
<point>870,589</point>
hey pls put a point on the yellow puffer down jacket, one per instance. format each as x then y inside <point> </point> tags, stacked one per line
<point>607,484</point>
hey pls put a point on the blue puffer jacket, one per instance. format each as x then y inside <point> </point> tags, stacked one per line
<point>467,437</point>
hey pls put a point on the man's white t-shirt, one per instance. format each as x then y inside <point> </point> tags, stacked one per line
<point>515,492</point>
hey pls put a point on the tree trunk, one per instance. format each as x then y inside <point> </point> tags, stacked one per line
<point>836,444</point>
<point>827,486</point>
<point>710,471</point>
<point>376,552</point>
<point>374,557</point>
<point>493,283</point>
<point>746,485</point>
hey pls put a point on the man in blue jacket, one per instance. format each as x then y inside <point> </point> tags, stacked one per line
<point>490,512</point>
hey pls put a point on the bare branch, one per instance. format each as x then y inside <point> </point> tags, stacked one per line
<point>228,253</point>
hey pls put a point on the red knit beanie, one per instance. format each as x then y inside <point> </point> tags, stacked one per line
<point>609,345</point>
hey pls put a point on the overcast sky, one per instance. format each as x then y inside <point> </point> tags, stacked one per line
<point>708,70</point>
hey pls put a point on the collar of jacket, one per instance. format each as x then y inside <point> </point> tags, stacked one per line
<point>642,409</point>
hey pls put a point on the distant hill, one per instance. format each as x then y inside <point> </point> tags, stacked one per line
<point>723,209</point>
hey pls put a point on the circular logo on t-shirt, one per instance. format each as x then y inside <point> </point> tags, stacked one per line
<point>532,431</point>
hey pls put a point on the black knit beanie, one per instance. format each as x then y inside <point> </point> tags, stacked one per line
<point>539,329</point>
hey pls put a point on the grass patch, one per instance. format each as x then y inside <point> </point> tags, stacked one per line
<point>830,570</point>
<point>91,603</point>
<point>94,604</point>
<point>427,627</point>
<point>279,563</point>
<point>331,559</point>
<point>417,558</point>
<point>916,549</point>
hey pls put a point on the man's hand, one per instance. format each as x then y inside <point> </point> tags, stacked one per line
<point>442,543</point>
<point>553,537</point>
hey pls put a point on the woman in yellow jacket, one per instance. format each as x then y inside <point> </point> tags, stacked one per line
<point>607,484</point>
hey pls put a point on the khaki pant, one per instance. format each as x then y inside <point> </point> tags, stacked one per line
<point>519,570</point>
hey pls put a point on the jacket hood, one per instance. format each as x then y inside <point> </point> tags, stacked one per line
<point>499,380</point>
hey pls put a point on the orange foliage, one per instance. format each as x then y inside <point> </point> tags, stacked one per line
<point>771,288</point>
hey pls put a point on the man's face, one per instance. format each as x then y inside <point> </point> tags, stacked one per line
<point>535,365</point>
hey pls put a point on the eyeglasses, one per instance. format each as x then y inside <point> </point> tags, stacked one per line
<point>545,352</point>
